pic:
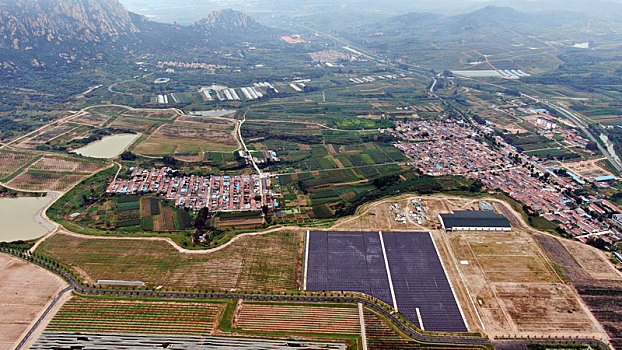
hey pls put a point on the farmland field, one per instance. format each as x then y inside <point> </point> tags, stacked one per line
<point>48,134</point>
<point>166,114</point>
<point>63,164</point>
<point>138,317</point>
<point>49,172</point>
<point>10,162</point>
<point>92,119</point>
<point>133,124</point>
<point>299,319</point>
<point>207,123</point>
<point>133,214</point>
<point>170,139</point>
<point>37,180</point>
<point>268,263</point>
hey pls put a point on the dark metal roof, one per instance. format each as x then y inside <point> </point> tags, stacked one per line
<point>466,218</point>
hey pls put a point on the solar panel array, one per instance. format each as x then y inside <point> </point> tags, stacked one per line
<point>347,261</point>
<point>354,261</point>
<point>419,281</point>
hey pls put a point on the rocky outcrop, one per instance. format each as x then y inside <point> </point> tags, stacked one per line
<point>26,24</point>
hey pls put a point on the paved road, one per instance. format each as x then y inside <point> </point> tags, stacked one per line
<point>42,317</point>
<point>583,125</point>
<point>574,117</point>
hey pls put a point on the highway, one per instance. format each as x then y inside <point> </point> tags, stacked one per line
<point>583,125</point>
<point>576,118</point>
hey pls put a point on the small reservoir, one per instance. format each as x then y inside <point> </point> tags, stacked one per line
<point>20,218</point>
<point>108,147</point>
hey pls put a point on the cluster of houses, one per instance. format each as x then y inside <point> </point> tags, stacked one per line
<point>218,193</point>
<point>456,156</point>
<point>449,151</point>
<point>431,130</point>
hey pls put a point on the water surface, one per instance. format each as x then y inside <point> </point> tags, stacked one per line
<point>108,147</point>
<point>20,218</point>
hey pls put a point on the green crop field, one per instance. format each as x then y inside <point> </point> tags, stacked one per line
<point>264,263</point>
<point>136,317</point>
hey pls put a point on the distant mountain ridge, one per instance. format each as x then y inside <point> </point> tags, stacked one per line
<point>25,24</point>
<point>228,20</point>
<point>488,17</point>
<point>44,32</point>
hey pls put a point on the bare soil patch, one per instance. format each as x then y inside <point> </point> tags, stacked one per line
<point>26,291</point>
<point>593,261</point>
<point>551,308</point>
<point>587,168</point>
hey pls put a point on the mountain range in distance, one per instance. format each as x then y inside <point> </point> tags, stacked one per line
<point>43,32</point>
<point>40,33</point>
<point>185,11</point>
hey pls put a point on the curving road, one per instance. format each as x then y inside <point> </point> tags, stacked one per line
<point>42,318</point>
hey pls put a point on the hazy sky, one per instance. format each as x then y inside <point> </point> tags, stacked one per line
<point>188,11</point>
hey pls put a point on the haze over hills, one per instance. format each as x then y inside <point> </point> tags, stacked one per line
<point>186,11</point>
<point>485,25</point>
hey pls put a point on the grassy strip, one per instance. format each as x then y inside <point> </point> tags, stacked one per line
<point>606,164</point>
<point>150,299</point>
<point>140,140</point>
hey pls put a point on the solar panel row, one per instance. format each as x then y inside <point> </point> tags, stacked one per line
<point>354,261</point>
<point>419,281</point>
<point>347,261</point>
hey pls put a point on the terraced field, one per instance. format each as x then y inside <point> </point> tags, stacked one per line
<point>299,319</point>
<point>137,317</point>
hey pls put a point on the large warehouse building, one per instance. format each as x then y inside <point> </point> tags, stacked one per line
<point>466,220</point>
